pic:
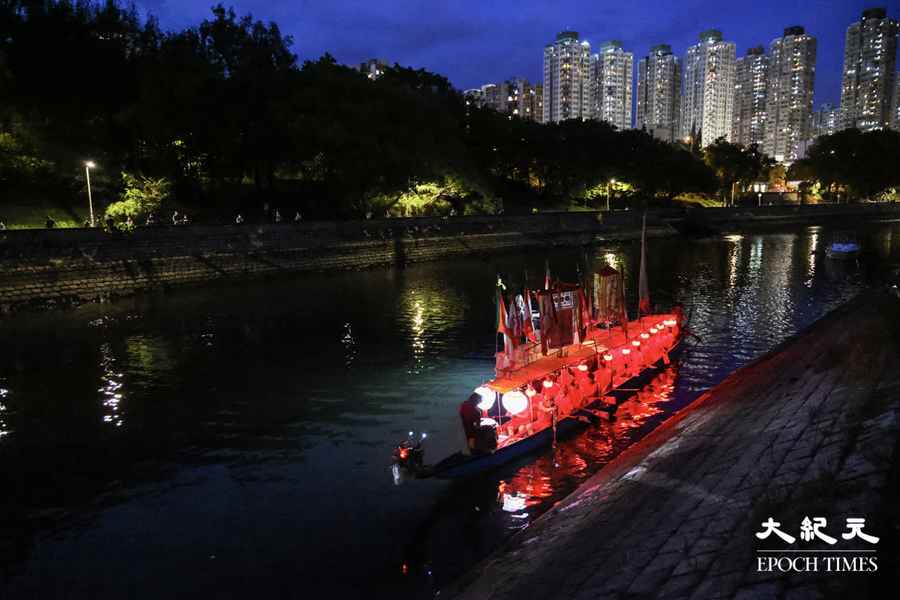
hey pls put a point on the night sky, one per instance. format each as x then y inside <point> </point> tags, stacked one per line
<point>478,41</point>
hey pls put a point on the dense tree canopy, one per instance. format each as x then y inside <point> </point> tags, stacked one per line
<point>225,106</point>
<point>735,164</point>
<point>864,165</point>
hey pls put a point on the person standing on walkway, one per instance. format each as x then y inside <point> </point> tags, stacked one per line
<point>50,224</point>
<point>277,216</point>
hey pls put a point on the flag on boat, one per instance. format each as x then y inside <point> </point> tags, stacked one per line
<point>559,314</point>
<point>643,287</point>
<point>503,322</point>
<point>547,278</point>
<point>528,323</point>
<point>608,293</point>
<point>584,313</point>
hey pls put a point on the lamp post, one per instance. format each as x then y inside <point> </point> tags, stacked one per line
<point>88,165</point>
<point>759,188</point>
<point>611,183</point>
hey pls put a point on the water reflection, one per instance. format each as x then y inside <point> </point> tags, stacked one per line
<point>429,317</point>
<point>4,426</point>
<point>245,400</point>
<point>812,249</point>
<point>111,392</point>
<point>349,343</point>
<point>549,477</point>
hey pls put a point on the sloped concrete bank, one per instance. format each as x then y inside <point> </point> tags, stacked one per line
<point>809,430</point>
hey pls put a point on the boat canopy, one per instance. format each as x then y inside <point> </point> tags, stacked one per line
<point>543,367</point>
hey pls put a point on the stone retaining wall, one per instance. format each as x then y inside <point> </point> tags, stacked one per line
<point>46,267</point>
<point>62,274</point>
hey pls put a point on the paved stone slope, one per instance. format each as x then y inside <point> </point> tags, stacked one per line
<point>811,429</point>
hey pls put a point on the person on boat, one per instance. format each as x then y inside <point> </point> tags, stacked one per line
<point>565,378</point>
<point>470,415</point>
<point>587,389</point>
<point>548,406</point>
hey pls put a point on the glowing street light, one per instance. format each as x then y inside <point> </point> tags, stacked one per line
<point>759,188</point>
<point>88,165</point>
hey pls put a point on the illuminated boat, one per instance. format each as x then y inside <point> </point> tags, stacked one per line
<point>583,359</point>
<point>586,381</point>
<point>843,246</point>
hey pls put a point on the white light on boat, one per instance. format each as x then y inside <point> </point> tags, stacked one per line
<point>636,343</point>
<point>659,325</point>
<point>487,397</point>
<point>530,392</point>
<point>515,402</point>
<point>514,502</point>
<point>645,336</point>
<point>626,351</point>
<point>653,330</point>
<point>583,368</point>
<point>486,422</point>
<point>548,384</point>
<point>607,357</point>
<point>670,322</point>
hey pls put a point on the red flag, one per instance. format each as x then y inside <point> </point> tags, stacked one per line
<point>509,341</point>
<point>584,311</point>
<point>643,288</point>
<point>530,335</point>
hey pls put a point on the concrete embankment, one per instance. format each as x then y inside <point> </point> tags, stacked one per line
<point>51,267</point>
<point>809,430</point>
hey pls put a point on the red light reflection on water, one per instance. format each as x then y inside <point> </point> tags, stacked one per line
<point>577,458</point>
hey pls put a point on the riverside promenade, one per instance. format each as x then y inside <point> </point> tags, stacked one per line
<point>810,429</point>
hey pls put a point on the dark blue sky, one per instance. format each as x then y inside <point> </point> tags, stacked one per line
<point>474,42</point>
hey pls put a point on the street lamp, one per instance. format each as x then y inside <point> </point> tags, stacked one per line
<point>759,188</point>
<point>611,183</point>
<point>88,165</point>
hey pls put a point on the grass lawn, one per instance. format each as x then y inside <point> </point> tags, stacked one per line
<point>28,213</point>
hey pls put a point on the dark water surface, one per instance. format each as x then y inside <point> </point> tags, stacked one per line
<point>235,441</point>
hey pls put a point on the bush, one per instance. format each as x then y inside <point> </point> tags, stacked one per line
<point>142,197</point>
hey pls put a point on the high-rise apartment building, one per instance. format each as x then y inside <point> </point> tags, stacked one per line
<point>659,93</point>
<point>567,89</point>
<point>515,97</point>
<point>611,84</point>
<point>896,111</point>
<point>870,55</point>
<point>825,121</point>
<point>707,93</point>
<point>373,68</point>
<point>748,122</point>
<point>792,72</point>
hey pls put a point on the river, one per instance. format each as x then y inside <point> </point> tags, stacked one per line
<point>235,440</point>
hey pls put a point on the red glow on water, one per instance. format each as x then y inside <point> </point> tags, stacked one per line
<point>575,459</point>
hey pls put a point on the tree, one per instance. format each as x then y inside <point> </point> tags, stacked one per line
<point>865,164</point>
<point>735,164</point>
<point>142,197</point>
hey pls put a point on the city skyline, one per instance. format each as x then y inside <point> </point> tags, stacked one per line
<point>472,44</point>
